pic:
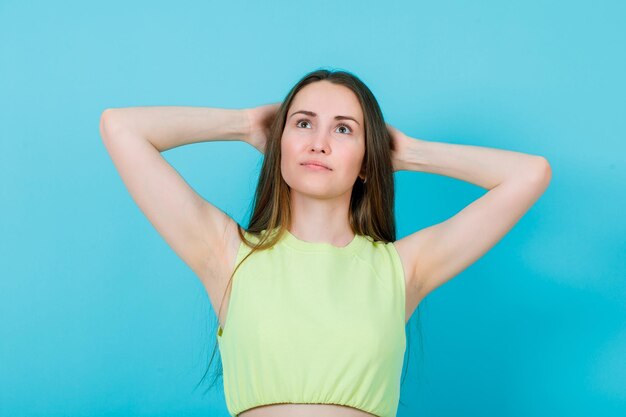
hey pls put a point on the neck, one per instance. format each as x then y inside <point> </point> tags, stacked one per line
<point>316,220</point>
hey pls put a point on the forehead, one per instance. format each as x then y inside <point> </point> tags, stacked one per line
<point>327,100</point>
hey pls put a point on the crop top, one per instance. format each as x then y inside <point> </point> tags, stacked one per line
<point>315,323</point>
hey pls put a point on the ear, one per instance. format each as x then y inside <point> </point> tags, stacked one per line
<point>362,171</point>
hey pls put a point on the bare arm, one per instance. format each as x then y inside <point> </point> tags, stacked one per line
<point>514,180</point>
<point>135,137</point>
<point>167,127</point>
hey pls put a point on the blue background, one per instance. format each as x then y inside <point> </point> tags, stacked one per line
<point>99,317</point>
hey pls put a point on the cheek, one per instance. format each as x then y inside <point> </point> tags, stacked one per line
<point>289,150</point>
<point>354,161</point>
<point>286,146</point>
<point>287,156</point>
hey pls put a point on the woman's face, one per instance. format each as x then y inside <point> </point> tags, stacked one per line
<point>318,135</point>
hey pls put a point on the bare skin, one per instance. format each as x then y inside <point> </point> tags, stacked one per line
<point>304,410</point>
<point>296,410</point>
<point>514,182</point>
<point>207,239</point>
<point>321,199</point>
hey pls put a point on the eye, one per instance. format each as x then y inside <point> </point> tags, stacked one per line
<point>339,126</point>
<point>301,120</point>
<point>346,126</point>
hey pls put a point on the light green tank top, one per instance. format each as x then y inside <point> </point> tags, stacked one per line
<point>315,323</point>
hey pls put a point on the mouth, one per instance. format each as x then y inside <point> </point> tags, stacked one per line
<point>316,166</point>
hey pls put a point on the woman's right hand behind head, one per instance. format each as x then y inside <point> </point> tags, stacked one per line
<point>259,121</point>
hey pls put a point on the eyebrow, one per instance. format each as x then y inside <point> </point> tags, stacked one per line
<point>312,114</point>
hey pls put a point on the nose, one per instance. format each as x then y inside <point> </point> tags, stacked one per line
<point>319,143</point>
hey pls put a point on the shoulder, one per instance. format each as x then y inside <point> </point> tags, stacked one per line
<point>402,247</point>
<point>380,254</point>
<point>233,243</point>
<point>409,249</point>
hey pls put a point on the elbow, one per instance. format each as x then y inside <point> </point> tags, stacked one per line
<point>107,123</point>
<point>541,173</point>
<point>104,121</point>
<point>544,170</point>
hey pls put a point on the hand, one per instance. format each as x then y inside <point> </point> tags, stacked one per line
<point>259,121</point>
<point>398,143</point>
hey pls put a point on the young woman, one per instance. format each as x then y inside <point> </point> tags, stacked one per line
<point>319,288</point>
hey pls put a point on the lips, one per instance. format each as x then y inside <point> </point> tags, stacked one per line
<point>318,163</point>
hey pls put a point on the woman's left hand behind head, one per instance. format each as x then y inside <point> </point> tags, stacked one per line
<point>398,142</point>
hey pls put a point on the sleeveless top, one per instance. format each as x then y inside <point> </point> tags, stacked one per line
<point>315,323</point>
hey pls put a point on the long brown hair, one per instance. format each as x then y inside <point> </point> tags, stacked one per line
<point>371,211</point>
